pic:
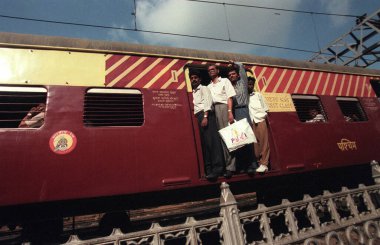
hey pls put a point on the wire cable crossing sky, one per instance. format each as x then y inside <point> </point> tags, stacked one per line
<point>155,32</point>
<point>279,9</point>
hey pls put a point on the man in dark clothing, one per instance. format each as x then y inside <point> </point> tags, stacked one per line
<point>211,144</point>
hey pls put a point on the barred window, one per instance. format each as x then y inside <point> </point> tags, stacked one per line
<point>113,107</point>
<point>309,108</point>
<point>22,107</point>
<point>351,109</point>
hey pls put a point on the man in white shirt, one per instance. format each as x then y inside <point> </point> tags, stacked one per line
<point>222,92</point>
<point>258,113</point>
<point>211,145</point>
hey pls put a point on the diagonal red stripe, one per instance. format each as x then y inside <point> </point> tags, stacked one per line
<point>285,81</point>
<point>322,83</point>
<point>274,80</point>
<point>264,79</point>
<point>135,72</point>
<point>181,77</point>
<point>168,74</point>
<point>112,60</point>
<point>152,73</point>
<point>293,84</point>
<point>304,82</point>
<point>121,68</point>
<point>330,84</point>
<point>352,88</point>
<point>338,84</point>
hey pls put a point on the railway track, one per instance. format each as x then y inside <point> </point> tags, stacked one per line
<point>350,216</point>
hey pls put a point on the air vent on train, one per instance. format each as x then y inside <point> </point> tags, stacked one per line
<point>113,107</point>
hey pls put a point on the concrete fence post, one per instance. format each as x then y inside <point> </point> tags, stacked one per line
<point>231,228</point>
<point>375,171</point>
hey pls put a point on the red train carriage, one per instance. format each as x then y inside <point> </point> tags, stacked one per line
<point>119,118</point>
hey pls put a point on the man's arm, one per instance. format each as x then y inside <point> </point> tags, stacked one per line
<point>242,73</point>
<point>207,99</point>
<point>23,122</point>
<point>229,106</point>
<point>30,121</point>
<point>230,92</point>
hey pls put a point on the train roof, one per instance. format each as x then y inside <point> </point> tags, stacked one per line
<point>17,40</point>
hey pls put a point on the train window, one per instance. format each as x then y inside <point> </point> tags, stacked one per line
<point>351,109</point>
<point>22,107</point>
<point>309,108</point>
<point>113,107</point>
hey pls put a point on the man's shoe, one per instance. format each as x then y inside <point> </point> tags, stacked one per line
<point>262,169</point>
<point>212,176</point>
<point>251,170</point>
<point>241,171</point>
<point>228,174</point>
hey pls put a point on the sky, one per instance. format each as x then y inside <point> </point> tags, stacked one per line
<point>261,26</point>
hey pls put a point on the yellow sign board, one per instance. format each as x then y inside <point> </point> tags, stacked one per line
<point>279,102</point>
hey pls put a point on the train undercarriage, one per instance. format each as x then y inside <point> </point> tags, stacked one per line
<point>300,209</point>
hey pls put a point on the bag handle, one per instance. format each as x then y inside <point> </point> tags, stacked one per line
<point>230,123</point>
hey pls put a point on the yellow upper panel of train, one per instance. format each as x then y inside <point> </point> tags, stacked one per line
<point>47,67</point>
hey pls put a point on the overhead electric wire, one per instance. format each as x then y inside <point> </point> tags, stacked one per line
<point>315,31</point>
<point>271,8</point>
<point>135,13</point>
<point>154,32</point>
<point>227,25</point>
<point>136,29</point>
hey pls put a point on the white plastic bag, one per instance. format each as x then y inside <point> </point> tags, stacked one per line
<point>237,135</point>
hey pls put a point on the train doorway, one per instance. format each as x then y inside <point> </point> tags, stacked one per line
<point>206,137</point>
<point>376,87</point>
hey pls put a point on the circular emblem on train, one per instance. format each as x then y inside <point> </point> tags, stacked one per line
<point>63,142</point>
